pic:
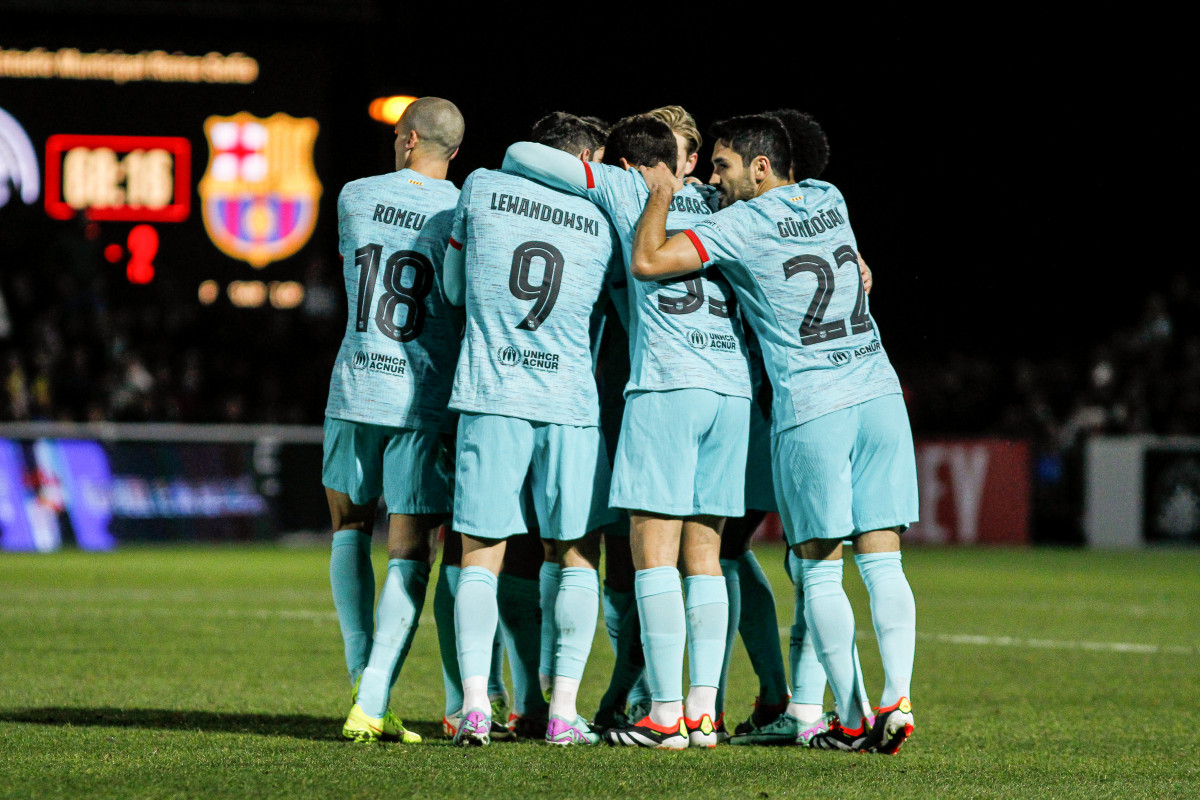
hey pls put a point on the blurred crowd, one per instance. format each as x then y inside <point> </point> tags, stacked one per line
<point>78,347</point>
<point>90,347</point>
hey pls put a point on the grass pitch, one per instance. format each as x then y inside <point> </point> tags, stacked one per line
<point>218,673</point>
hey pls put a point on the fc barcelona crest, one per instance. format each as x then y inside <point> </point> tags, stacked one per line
<point>259,194</point>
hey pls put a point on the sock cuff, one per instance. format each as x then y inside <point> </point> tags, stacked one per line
<point>580,578</point>
<point>347,537</point>
<point>409,565</point>
<point>816,571</point>
<point>476,575</point>
<point>729,566</point>
<point>871,559</point>
<point>659,580</point>
<point>704,590</point>
<point>549,570</point>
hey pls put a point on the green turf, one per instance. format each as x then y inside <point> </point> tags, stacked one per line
<point>218,673</point>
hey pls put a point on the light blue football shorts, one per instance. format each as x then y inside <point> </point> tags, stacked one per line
<point>403,465</point>
<point>682,453</point>
<point>847,472</point>
<point>760,485</point>
<point>566,466</point>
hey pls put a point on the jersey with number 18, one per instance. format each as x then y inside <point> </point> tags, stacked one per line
<point>792,259</point>
<point>396,363</point>
<point>536,261</point>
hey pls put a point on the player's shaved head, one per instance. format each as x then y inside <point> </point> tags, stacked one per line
<point>756,135</point>
<point>568,132</point>
<point>437,122</point>
<point>642,140</point>
<point>810,148</point>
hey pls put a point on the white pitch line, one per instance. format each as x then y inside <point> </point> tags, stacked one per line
<point>305,615</point>
<point>1036,644</point>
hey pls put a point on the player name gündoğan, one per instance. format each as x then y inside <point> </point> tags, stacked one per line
<point>523,206</point>
<point>813,226</point>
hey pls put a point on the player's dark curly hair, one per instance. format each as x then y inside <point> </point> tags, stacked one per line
<point>810,148</point>
<point>756,135</point>
<point>568,132</point>
<point>642,140</point>
<point>603,125</point>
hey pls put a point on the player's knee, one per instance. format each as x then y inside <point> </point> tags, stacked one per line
<point>347,516</point>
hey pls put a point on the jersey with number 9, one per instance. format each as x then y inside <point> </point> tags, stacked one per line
<point>536,260</point>
<point>791,257</point>
<point>396,363</point>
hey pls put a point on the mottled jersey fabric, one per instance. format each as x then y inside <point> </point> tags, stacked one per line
<point>684,333</point>
<point>396,363</point>
<point>536,261</point>
<point>791,256</point>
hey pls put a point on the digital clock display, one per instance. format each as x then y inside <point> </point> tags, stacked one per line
<point>127,178</point>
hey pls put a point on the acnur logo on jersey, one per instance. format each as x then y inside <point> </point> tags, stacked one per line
<point>379,362</point>
<point>509,356</point>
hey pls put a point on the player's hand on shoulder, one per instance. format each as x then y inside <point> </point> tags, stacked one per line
<point>865,273</point>
<point>693,179</point>
<point>661,177</point>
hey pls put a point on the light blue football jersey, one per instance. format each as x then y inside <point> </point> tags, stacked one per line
<point>535,262</point>
<point>396,363</point>
<point>684,333</point>
<point>791,256</point>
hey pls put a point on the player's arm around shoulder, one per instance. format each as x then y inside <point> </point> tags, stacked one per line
<point>549,165</point>
<point>654,256</point>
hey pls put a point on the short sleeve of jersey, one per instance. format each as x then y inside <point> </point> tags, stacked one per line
<point>616,191</point>
<point>718,239</point>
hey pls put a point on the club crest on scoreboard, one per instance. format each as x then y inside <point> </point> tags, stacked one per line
<point>260,191</point>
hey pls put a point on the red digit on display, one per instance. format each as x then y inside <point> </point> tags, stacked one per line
<point>143,246</point>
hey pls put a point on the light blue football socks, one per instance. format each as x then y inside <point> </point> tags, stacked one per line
<point>660,607</point>
<point>399,614</point>
<point>758,624</point>
<point>475,620</point>
<point>615,604</point>
<point>443,615</point>
<point>894,615</point>
<point>830,621</point>
<point>549,577</point>
<point>707,610</point>
<point>520,620</point>
<point>575,611</point>
<point>733,587</point>
<point>352,579</point>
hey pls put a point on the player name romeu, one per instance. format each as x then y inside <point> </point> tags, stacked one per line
<point>398,217</point>
<point>523,206</point>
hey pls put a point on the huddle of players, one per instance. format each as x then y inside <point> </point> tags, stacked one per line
<point>536,252</point>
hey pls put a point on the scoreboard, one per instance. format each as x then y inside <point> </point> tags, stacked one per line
<point>191,160</point>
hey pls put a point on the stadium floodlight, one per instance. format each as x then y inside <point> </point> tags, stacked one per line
<point>389,109</point>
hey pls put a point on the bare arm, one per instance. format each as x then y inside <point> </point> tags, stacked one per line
<point>654,256</point>
<point>865,273</point>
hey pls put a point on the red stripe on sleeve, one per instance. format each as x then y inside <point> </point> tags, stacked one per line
<point>455,244</point>
<point>698,245</point>
<point>591,181</point>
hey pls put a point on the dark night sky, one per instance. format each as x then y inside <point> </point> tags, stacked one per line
<point>1014,182</point>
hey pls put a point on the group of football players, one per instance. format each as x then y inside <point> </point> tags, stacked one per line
<point>570,351</point>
